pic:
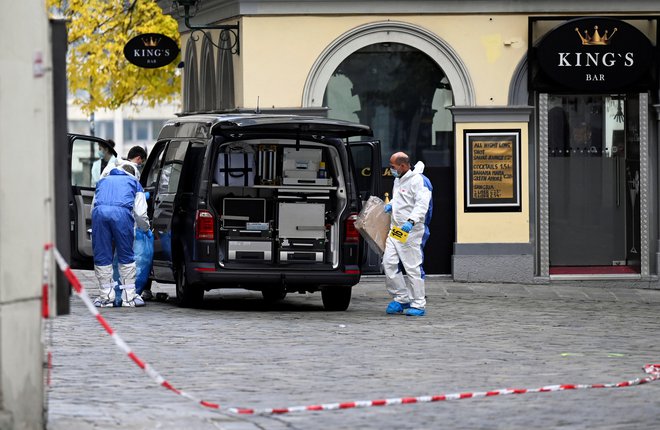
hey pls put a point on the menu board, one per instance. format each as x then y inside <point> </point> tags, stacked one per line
<point>492,166</point>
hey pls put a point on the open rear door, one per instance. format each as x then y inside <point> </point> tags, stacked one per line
<point>366,164</point>
<point>82,154</point>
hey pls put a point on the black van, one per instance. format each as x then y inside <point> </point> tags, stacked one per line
<point>258,201</point>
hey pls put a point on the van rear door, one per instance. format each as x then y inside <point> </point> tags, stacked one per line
<point>365,162</point>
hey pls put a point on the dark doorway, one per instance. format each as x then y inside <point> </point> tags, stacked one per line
<point>403,95</point>
<point>594,183</point>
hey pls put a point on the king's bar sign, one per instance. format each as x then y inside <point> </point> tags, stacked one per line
<point>595,55</point>
<point>151,50</point>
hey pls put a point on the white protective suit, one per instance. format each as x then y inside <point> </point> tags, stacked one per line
<point>118,162</point>
<point>96,168</point>
<point>410,200</point>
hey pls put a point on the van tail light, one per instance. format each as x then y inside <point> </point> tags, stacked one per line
<point>352,235</point>
<point>204,225</point>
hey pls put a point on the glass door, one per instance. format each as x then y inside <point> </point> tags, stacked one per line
<point>593,155</point>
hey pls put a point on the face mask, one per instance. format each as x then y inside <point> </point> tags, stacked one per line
<point>395,173</point>
<point>100,153</point>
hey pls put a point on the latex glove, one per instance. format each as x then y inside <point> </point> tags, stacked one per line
<point>147,194</point>
<point>407,226</point>
<point>388,208</point>
<point>150,234</point>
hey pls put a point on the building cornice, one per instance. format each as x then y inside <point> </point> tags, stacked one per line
<point>219,10</point>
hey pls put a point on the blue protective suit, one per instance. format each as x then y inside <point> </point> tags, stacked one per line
<point>119,204</point>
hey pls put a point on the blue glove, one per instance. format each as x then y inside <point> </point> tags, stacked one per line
<point>388,208</point>
<point>147,195</point>
<point>407,226</point>
<point>150,234</point>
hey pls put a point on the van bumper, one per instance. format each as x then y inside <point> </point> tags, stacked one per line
<point>211,277</point>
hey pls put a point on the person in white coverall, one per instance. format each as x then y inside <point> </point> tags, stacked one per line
<point>118,205</point>
<point>409,206</point>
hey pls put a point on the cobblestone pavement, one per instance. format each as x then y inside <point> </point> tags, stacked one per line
<point>238,352</point>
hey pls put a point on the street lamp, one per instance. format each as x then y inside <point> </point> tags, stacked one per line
<point>187,9</point>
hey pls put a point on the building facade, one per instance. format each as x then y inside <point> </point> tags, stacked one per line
<point>27,206</point>
<point>537,121</point>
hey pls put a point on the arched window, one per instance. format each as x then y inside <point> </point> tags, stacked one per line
<point>207,79</point>
<point>402,94</point>
<point>190,83</point>
<point>336,82</point>
<point>225,68</point>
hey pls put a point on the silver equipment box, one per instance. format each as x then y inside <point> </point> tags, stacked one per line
<point>250,250</point>
<point>301,220</point>
<point>295,256</point>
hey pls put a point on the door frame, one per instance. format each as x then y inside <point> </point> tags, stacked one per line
<point>370,260</point>
<point>81,253</point>
<point>543,188</point>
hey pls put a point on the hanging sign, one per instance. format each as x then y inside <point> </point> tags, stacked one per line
<point>594,55</point>
<point>151,50</point>
<point>492,167</point>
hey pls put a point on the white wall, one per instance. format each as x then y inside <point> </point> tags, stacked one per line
<point>26,210</point>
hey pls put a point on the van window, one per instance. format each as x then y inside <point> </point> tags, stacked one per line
<point>83,155</point>
<point>172,164</point>
<point>152,180</point>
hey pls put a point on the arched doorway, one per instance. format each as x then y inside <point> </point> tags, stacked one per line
<point>400,80</point>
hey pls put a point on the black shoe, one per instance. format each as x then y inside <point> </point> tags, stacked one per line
<point>147,296</point>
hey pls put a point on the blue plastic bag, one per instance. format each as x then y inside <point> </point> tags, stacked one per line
<point>143,248</point>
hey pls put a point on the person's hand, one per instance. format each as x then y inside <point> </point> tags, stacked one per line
<point>407,226</point>
<point>150,234</point>
<point>388,208</point>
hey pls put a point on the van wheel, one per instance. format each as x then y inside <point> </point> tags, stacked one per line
<point>187,296</point>
<point>272,295</point>
<point>336,298</point>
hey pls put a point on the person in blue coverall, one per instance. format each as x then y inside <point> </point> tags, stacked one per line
<point>119,204</point>
<point>411,199</point>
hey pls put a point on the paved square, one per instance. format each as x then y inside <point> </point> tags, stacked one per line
<point>476,337</point>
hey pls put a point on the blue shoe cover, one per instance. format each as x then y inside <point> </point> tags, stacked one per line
<point>415,312</point>
<point>396,308</point>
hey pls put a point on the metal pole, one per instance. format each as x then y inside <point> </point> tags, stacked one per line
<point>62,181</point>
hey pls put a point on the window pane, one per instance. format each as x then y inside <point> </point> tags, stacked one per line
<point>155,170</point>
<point>83,154</point>
<point>105,129</point>
<point>169,178</point>
<point>128,130</point>
<point>78,127</point>
<point>142,129</point>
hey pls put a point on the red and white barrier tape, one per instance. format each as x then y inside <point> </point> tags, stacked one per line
<point>653,371</point>
<point>46,325</point>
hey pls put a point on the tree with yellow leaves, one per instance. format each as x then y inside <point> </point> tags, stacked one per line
<point>98,74</point>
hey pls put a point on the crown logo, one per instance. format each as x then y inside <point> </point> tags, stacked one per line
<point>150,41</point>
<point>595,38</point>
